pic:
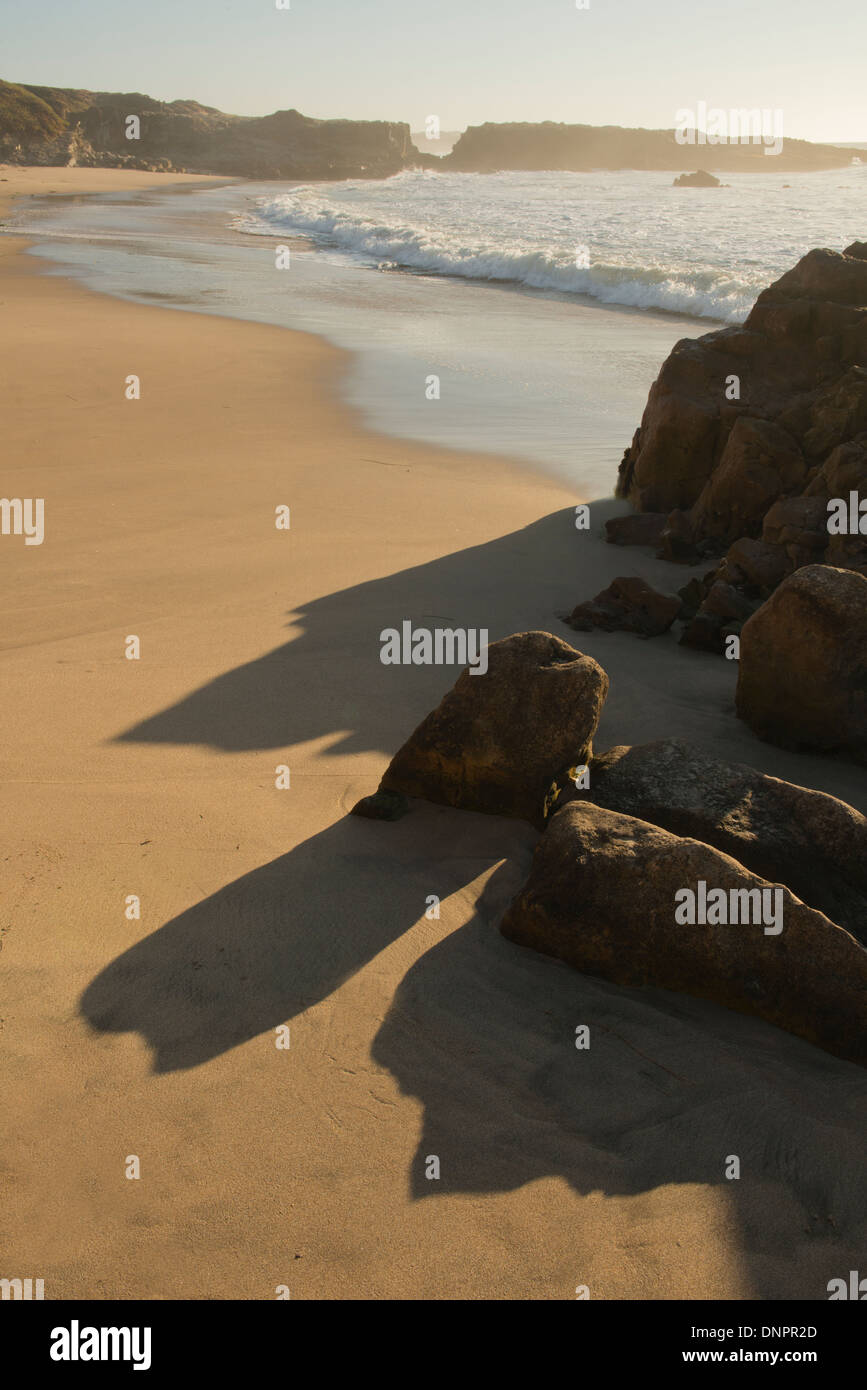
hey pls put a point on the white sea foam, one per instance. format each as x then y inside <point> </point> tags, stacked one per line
<point>651,246</point>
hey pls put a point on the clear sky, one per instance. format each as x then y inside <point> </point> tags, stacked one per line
<point>619,62</point>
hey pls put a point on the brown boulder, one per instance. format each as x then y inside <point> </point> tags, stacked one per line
<point>821,275</point>
<point>496,741</point>
<point>760,462</point>
<point>844,471</point>
<point>628,605</point>
<point>813,843</point>
<point>756,566</point>
<point>837,414</point>
<point>847,553</point>
<point>677,542</point>
<point>799,526</point>
<point>723,607</point>
<point>603,893</point>
<point>802,675</point>
<point>672,454</point>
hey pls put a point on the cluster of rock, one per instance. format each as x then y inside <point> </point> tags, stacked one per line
<point>752,455</point>
<point>638,826</point>
<point>61,126</point>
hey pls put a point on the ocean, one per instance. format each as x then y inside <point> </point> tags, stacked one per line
<point>619,238</point>
<point>523,314</point>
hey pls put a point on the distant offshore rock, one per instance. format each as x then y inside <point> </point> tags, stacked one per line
<point>700,179</point>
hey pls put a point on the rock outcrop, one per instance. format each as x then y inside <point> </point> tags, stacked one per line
<point>802,676</point>
<point>51,126</point>
<point>753,434</point>
<point>497,740</point>
<point>812,842</point>
<point>603,894</point>
<point>700,179</point>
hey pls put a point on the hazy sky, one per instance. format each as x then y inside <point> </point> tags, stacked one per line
<point>620,62</point>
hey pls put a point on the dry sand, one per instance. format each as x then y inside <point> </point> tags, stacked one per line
<point>260,907</point>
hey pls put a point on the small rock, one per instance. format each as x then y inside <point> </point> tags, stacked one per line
<point>628,605</point>
<point>381,806</point>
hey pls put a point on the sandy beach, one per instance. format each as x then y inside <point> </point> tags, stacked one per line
<point>265,1166</point>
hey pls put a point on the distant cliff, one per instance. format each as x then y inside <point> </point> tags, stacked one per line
<point>549,145</point>
<point>61,126</point>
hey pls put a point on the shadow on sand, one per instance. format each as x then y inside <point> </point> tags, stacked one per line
<point>482,1033</point>
<point>480,1030</point>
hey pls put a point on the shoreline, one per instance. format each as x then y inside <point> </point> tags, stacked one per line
<point>156,778</point>
<point>526,376</point>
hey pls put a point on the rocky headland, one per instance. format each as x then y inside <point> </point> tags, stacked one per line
<point>42,125</point>
<point>553,145</point>
<point>63,126</point>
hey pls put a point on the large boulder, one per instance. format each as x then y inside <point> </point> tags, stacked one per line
<point>813,843</point>
<point>603,894</point>
<point>496,741</point>
<point>749,432</point>
<point>760,462</point>
<point>802,675</point>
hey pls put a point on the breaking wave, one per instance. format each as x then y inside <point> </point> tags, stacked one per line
<point>699,291</point>
<point>648,246</point>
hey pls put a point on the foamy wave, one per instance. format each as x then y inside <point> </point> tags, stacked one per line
<point>701,292</point>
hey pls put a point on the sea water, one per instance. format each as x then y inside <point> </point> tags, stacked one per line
<point>541,304</point>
